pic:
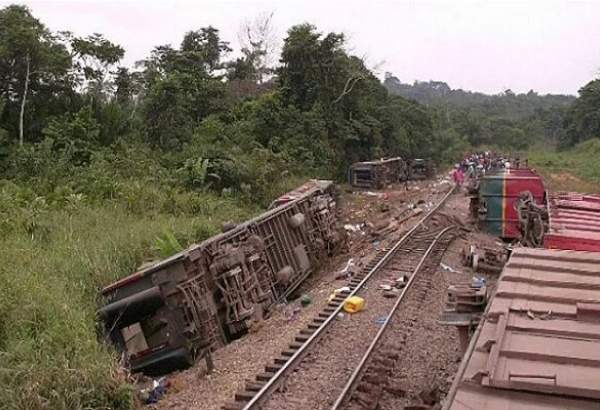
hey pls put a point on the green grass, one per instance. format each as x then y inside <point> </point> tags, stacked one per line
<point>576,169</point>
<point>56,253</point>
<point>51,356</point>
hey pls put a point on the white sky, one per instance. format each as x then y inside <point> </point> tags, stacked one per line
<point>550,46</point>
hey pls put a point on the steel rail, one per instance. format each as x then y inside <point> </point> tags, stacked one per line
<point>349,387</point>
<point>264,393</point>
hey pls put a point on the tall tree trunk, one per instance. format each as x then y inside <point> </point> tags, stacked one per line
<point>23,100</point>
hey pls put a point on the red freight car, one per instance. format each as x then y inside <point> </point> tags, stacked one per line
<point>573,222</point>
<point>498,196</point>
<point>538,347</point>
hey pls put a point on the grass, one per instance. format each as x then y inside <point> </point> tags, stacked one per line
<point>54,258</point>
<point>576,169</point>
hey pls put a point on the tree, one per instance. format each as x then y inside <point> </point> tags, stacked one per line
<point>183,86</point>
<point>258,45</point>
<point>93,55</point>
<point>582,121</point>
<point>204,48</point>
<point>29,56</point>
<point>75,136</point>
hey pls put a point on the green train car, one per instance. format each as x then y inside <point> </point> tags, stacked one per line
<point>498,196</point>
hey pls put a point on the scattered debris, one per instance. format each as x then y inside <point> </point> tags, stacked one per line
<point>336,291</point>
<point>401,282</point>
<point>305,300</point>
<point>374,194</point>
<point>354,227</point>
<point>392,293</point>
<point>381,320</point>
<point>430,396</point>
<point>347,271</point>
<point>354,304</point>
<point>153,392</point>
<point>449,268</point>
<point>293,314</point>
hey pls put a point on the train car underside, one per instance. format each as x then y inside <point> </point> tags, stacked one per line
<point>186,306</point>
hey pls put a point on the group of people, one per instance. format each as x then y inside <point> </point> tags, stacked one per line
<point>476,165</point>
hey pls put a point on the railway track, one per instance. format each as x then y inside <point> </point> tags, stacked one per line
<point>371,377</point>
<point>329,361</point>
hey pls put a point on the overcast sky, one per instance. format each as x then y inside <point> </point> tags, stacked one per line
<point>551,46</point>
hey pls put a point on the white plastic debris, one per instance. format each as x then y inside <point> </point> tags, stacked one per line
<point>448,268</point>
<point>353,228</point>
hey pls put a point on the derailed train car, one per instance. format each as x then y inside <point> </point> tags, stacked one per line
<point>183,307</point>
<point>501,198</point>
<point>573,222</point>
<point>538,344</point>
<point>379,173</point>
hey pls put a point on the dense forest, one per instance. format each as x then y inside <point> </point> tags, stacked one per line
<point>103,167</point>
<point>506,120</point>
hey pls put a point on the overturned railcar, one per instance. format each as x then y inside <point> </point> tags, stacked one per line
<point>377,174</point>
<point>183,307</point>
<point>498,200</point>
<point>418,169</point>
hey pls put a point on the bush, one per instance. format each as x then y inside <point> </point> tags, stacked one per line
<point>51,356</point>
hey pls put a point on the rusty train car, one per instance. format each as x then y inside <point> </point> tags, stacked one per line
<point>166,315</point>
<point>379,173</point>
<point>538,344</point>
<point>501,199</point>
<point>573,222</point>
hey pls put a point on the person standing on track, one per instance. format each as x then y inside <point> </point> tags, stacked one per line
<point>457,175</point>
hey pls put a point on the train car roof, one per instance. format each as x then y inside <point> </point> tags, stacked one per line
<point>538,346</point>
<point>574,222</point>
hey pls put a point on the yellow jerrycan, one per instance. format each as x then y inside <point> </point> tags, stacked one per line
<point>354,304</point>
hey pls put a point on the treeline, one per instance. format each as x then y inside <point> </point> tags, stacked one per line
<point>210,121</point>
<point>507,120</point>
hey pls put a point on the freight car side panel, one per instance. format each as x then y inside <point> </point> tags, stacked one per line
<point>500,194</point>
<point>491,192</point>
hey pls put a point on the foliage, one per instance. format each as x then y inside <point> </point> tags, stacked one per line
<point>167,244</point>
<point>507,120</point>
<point>74,136</point>
<point>32,62</point>
<point>575,169</point>
<point>583,118</point>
